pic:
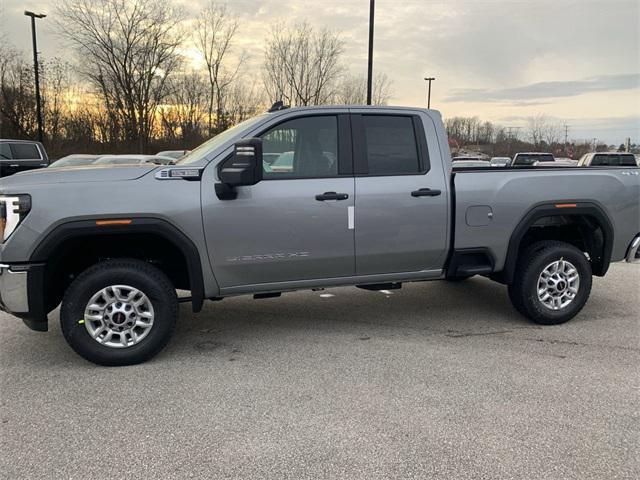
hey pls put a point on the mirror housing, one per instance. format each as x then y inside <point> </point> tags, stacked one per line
<point>243,168</point>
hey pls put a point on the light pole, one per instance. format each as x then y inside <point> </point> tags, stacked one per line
<point>372,8</point>
<point>429,79</point>
<point>36,71</point>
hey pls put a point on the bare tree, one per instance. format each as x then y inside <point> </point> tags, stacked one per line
<point>302,65</point>
<point>543,130</point>
<point>17,97</point>
<point>127,50</point>
<point>243,101</point>
<point>352,90</point>
<point>183,116</point>
<point>57,81</point>
<point>215,32</point>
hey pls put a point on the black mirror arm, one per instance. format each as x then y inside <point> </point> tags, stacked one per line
<point>224,191</point>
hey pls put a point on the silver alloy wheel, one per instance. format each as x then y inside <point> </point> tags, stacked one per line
<point>119,316</point>
<point>558,284</point>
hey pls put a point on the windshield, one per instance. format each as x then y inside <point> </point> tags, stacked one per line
<point>210,145</point>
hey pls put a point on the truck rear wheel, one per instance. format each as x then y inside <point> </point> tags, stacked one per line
<point>119,312</point>
<point>552,282</point>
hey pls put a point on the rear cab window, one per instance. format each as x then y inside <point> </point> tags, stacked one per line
<point>628,160</point>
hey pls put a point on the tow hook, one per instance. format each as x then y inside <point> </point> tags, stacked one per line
<point>633,254</point>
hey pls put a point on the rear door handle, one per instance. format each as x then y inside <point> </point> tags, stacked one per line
<point>331,196</point>
<point>426,192</point>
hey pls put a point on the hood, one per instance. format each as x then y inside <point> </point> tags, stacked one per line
<point>89,173</point>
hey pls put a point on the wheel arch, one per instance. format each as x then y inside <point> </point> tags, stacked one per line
<point>575,211</point>
<point>118,228</point>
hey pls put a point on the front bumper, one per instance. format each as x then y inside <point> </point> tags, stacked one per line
<point>22,294</point>
<point>633,252</point>
<point>13,290</point>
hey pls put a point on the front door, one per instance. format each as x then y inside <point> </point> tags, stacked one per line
<point>401,211</point>
<point>294,224</point>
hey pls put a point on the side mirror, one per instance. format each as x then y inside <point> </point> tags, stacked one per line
<point>244,168</point>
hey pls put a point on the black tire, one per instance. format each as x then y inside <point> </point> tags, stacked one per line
<point>523,292</point>
<point>134,273</point>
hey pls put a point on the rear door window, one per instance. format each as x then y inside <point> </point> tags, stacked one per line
<point>391,147</point>
<point>25,151</point>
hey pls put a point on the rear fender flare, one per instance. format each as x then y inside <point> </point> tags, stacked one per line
<point>548,209</point>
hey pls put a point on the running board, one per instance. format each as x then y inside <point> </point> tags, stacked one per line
<point>259,296</point>
<point>381,286</point>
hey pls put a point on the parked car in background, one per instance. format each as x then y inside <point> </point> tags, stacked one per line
<point>470,164</point>
<point>75,160</point>
<point>133,160</point>
<point>175,154</point>
<point>468,158</point>
<point>558,162</point>
<point>608,159</point>
<point>500,161</point>
<point>527,159</point>
<point>20,155</point>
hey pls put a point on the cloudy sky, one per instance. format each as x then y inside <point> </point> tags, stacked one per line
<point>502,60</point>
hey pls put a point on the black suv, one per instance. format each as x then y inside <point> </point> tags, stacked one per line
<point>20,155</point>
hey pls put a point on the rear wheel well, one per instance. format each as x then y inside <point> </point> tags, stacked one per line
<point>582,231</point>
<point>76,254</point>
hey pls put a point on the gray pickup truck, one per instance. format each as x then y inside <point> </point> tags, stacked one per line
<point>293,199</point>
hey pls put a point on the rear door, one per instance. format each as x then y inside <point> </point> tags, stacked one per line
<point>401,211</point>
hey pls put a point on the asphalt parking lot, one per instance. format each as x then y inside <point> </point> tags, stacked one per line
<point>436,380</point>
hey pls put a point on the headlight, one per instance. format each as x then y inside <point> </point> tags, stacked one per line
<point>13,209</point>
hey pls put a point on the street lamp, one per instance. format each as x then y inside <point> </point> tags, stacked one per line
<point>429,79</point>
<point>372,8</point>
<point>36,70</point>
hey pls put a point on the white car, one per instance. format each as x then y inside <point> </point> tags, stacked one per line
<point>133,160</point>
<point>527,159</point>
<point>558,162</point>
<point>500,161</point>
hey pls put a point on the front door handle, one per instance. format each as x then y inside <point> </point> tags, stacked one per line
<point>331,196</point>
<point>426,192</point>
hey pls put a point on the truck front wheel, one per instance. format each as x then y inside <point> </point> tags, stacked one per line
<point>119,312</point>
<point>552,282</point>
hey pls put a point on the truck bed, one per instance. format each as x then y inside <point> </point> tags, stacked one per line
<point>490,203</point>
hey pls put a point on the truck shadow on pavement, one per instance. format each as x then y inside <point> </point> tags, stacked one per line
<point>474,307</point>
<point>418,310</point>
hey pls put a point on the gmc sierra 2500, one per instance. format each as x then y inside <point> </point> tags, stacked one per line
<point>295,199</point>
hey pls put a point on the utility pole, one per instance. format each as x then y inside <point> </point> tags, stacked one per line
<point>36,71</point>
<point>566,138</point>
<point>429,79</point>
<point>510,137</point>
<point>372,8</point>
